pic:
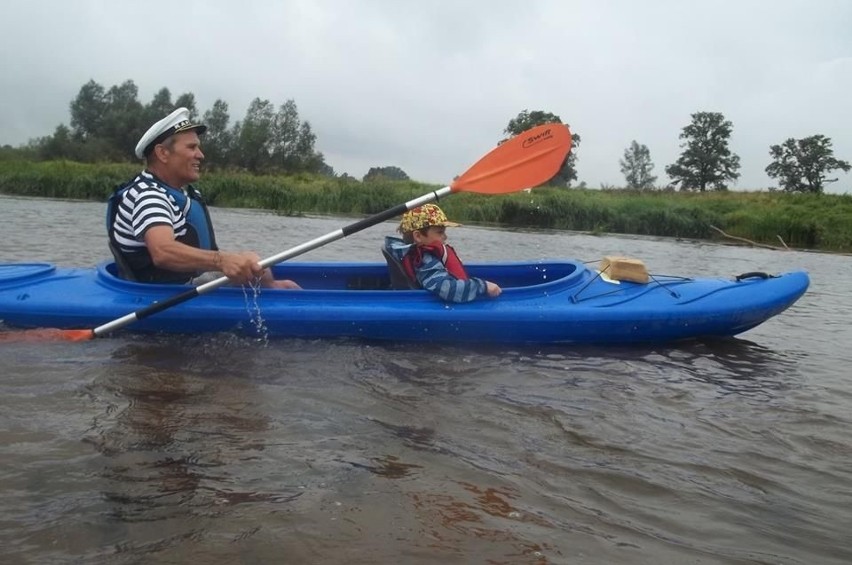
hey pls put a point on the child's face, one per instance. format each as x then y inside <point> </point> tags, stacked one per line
<point>434,234</point>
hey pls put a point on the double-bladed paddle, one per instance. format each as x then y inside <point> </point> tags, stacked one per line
<point>524,161</point>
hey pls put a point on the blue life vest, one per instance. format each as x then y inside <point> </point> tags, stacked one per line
<point>199,232</point>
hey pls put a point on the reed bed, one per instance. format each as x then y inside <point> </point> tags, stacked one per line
<point>806,221</point>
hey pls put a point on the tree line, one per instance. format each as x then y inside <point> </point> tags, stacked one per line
<point>799,165</point>
<point>106,124</point>
<point>706,162</point>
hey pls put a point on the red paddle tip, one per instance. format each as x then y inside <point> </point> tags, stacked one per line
<point>47,334</point>
<point>77,335</point>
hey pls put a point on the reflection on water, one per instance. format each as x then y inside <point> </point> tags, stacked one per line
<point>389,467</point>
<point>412,436</point>
<point>222,449</point>
<point>737,366</point>
<point>485,514</point>
<point>176,439</point>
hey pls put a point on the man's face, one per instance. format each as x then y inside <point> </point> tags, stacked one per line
<point>184,157</point>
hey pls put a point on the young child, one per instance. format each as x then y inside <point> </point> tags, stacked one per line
<point>432,263</point>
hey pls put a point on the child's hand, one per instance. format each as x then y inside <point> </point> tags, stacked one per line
<point>492,289</point>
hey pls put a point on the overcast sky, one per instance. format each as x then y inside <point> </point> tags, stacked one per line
<point>429,86</point>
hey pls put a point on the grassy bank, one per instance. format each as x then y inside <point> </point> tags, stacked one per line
<point>821,222</point>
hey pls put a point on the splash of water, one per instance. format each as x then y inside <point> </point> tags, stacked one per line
<point>253,310</point>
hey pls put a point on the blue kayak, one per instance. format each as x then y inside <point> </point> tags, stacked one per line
<point>542,302</point>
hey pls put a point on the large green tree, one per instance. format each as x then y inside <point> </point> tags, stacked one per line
<point>253,136</point>
<point>706,160</point>
<point>801,165</point>
<point>267,140</point>
<point>187,100</point>
<point>88,111</point>
<point>526,120</point>
<point>293,141</point>
<point>159,106</point>
<point>636,166</point>
<point>218,139</point>
<point>105,124</point>
<point>389,173</point>
<point>60,145</point>
<point>123,123</point>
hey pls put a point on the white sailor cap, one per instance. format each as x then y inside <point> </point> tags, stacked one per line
<point>175,122</point>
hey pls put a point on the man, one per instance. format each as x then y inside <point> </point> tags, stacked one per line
<point>159,226</point>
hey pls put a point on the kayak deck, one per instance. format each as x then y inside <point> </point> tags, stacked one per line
<point>542,302</point>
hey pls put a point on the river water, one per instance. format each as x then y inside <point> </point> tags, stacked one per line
<point>220,449</point>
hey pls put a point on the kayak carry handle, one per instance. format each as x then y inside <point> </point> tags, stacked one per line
<point>752,275</point>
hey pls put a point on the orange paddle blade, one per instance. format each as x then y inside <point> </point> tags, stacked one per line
<point>524,161</point>
<point>46,334</point>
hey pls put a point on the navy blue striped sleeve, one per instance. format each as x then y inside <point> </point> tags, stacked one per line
<point>434,277</point>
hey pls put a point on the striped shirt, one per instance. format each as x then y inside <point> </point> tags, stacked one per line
<point>434,276</point>
<point>145,204</point>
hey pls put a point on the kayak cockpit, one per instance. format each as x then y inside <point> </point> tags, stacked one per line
<point>375,276</point>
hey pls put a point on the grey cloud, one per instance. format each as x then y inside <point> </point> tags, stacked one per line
<point>429,86</point>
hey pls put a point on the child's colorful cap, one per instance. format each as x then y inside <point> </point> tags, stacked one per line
<point>425,216</point>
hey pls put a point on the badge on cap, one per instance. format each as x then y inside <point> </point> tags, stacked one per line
<point>175,122</point>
